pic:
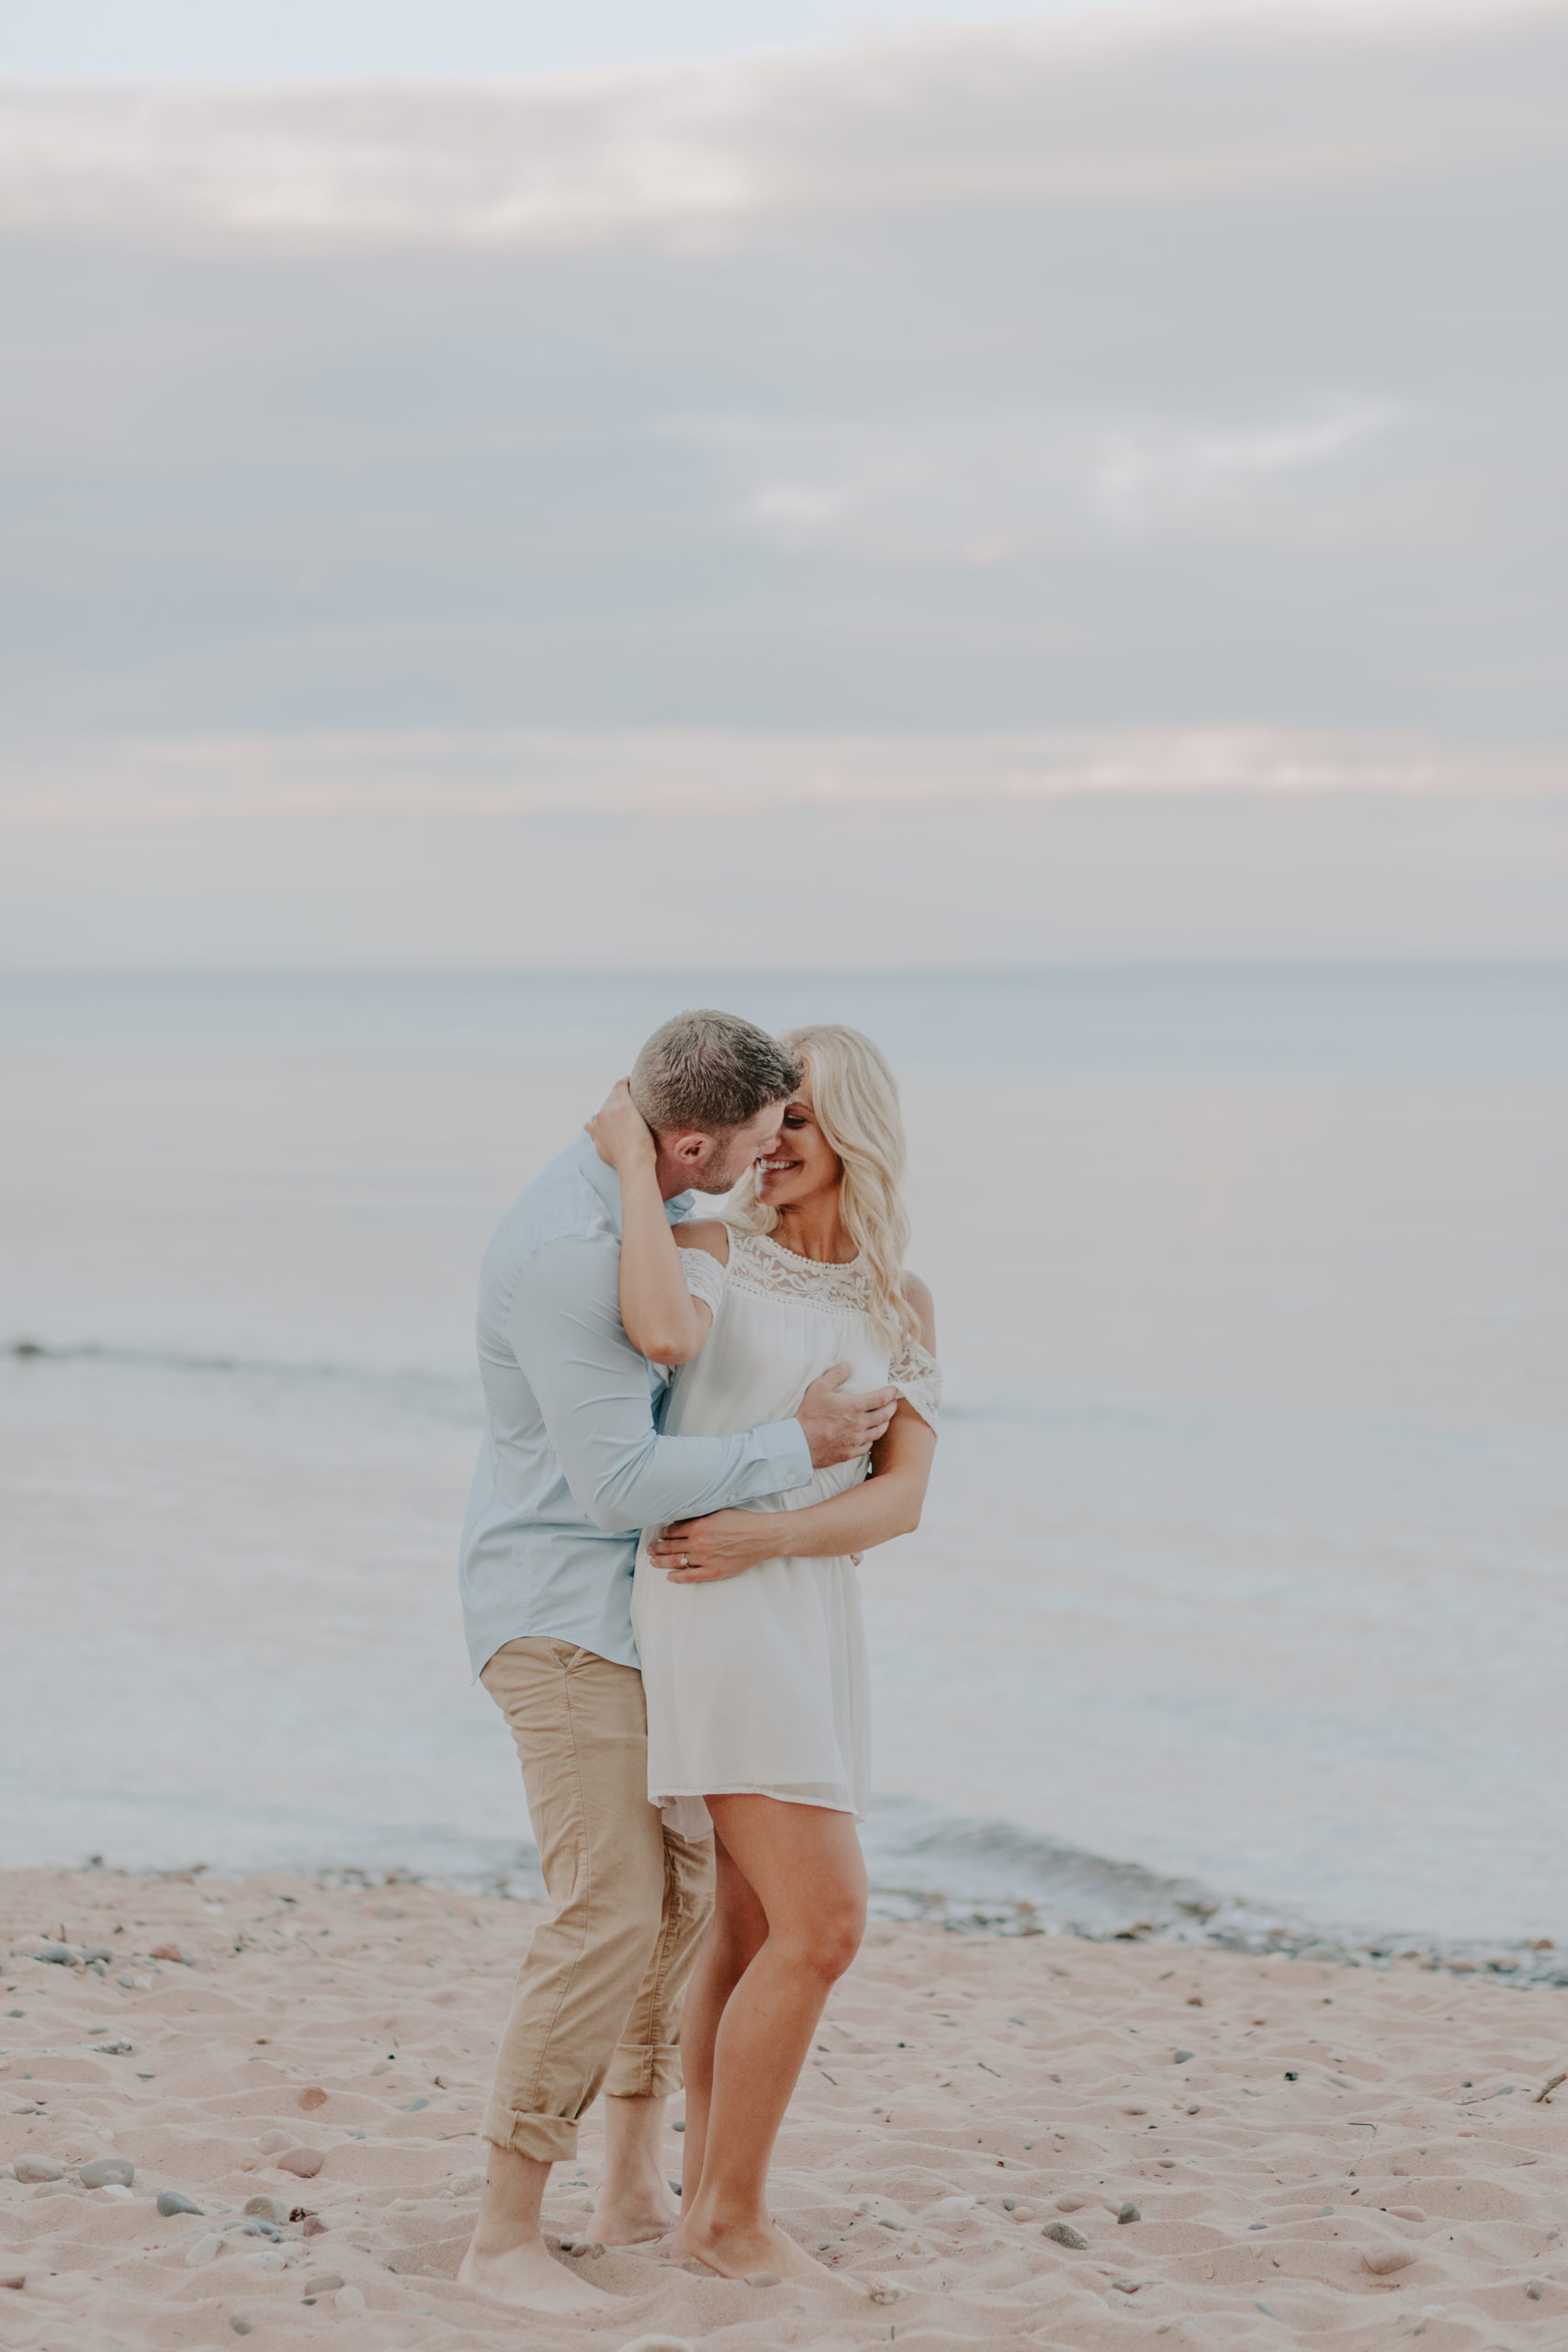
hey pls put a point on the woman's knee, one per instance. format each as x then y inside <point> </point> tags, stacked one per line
<point>826,1941</point>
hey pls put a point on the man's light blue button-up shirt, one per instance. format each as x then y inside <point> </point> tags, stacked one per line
<point>572,1465</point>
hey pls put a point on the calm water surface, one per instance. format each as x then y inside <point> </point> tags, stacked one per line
<point>1247,1559</point>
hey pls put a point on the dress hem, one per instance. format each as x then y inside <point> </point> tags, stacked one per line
<point>749,1789</point>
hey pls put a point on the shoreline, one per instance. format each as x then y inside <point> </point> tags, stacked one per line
<point>1304,2141</point>
<point>1119,1903</point>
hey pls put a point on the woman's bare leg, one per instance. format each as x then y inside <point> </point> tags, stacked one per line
<point>737,1933</point>
<point>803,1865</point>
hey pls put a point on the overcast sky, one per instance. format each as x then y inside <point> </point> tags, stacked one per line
<point>1187,385</point>
<point>271,39</point>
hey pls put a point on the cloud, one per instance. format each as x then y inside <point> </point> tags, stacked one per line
<point>979,492</point>
<point>682,775</point>
<point>1077,111</point>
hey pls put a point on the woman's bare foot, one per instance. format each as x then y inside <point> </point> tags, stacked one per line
<point>633,2218</point>
<point>738,2250</point>
<point>527,2277</point>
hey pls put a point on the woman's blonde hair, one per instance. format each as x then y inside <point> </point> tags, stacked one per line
<point>855,1097</point>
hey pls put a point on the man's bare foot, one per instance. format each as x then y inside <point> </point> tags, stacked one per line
<point>633,2220</point>
<point>740,2250</point>
<point>528,2276</point>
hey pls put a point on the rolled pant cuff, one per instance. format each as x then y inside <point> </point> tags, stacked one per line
<point>644,2071</point>
<point>548,2139</point>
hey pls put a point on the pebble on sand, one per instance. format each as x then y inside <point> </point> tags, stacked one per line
<point>15,2278</point>
<point>168,1952</point>
<point>207,2247</point>
<point>59,1955</point>
<point>350,2299</point>
<point>170,2201</point>
<point>267,2209</point>
<point>1180,2057</point>
<point>326,2283</point>
<point>1381,2260</point>
<point>104,2169</point>
<point>1065,2234</point>
<point>761,2278</point>
<point>312,2096</point>
<point>29,2168</point>
<point>304,2163</point>
<point>1129,2213</point>
<point>239,2323</point>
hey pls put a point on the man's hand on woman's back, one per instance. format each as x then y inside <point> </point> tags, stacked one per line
<point>838,1428</point>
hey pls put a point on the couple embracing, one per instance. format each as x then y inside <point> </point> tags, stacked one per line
<point>682,1665</point>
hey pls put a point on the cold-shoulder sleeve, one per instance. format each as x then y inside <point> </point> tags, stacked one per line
<point>916,1375</point>
<point>705,1277</point>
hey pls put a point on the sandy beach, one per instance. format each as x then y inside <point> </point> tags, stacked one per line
<point>1324,2155</point>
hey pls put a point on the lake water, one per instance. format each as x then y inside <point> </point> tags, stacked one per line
<point>1245,1572</point>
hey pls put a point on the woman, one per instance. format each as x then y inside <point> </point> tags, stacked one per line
<point>754,1652</point>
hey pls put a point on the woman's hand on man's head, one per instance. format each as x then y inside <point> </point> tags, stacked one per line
<point>621,1137</point>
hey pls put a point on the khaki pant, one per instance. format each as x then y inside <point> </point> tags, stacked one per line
<point>598,1999</point>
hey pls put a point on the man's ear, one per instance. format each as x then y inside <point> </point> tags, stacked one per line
<point>689,1151</point>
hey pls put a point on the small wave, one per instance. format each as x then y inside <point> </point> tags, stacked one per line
<point>444,1391</point>
<point>984,1875</point>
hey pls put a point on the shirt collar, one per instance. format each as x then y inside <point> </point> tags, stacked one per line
<point>608,1185</point>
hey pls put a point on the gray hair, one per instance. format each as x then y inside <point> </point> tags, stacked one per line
<point>706,1072</point>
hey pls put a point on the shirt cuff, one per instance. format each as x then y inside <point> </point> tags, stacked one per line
<point>787,1440</point>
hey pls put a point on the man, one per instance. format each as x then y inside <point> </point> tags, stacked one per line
<point>571,1469</point>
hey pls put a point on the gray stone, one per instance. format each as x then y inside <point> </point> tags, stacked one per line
<point>239,2323</point>
<point>411,2105</point>
<point>1180,2057</point>
<point>678,2127</point>
<point>207,2249</point>
<point>104,2169</point>
<point>761,2278</point>
<point>29,2168</point>
<point>59,1955</point>
<point>171,2202</point>
<point>1129,2213</point>
<point>1064,2234</point>
<point>327,2282</point>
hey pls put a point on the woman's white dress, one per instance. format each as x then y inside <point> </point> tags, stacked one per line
<point>757,1684</point>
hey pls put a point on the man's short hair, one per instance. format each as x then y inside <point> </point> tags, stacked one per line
<point>706,1072</point>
